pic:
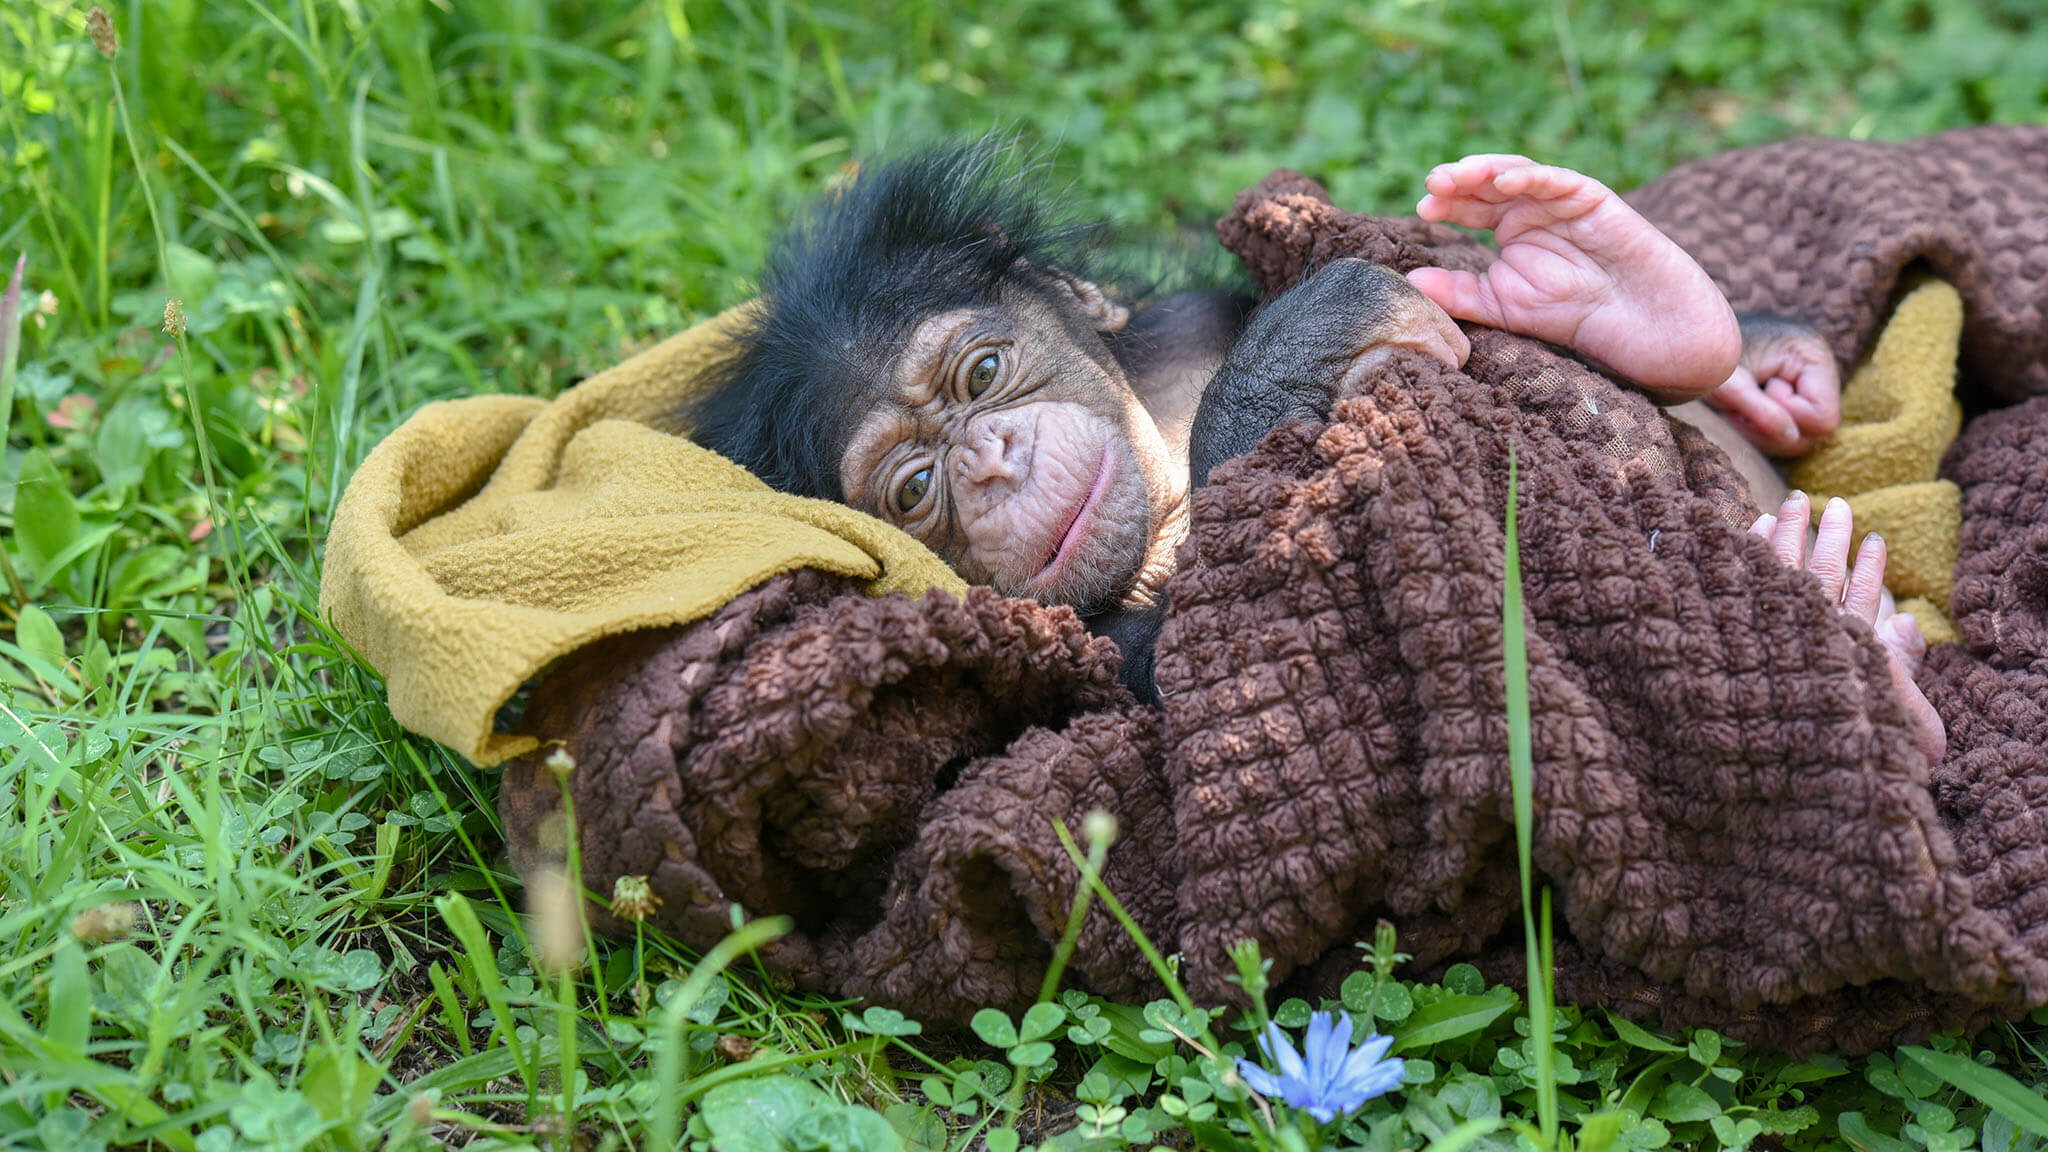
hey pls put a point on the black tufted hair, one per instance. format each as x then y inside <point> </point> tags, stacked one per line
<point>843,288</point>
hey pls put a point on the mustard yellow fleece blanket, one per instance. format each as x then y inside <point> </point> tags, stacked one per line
<point>1899,414</point>
<point>488,536</point>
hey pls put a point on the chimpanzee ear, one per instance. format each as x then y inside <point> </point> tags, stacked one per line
<point>1107,315</point>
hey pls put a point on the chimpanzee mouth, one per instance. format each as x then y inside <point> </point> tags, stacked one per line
<point>1083,517</point>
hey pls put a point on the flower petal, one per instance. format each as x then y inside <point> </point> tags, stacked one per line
<point>1365,1055</point>
<point>1274,1043</point>
<point>1376,1044</point>
<point>1318,1058</point>
<point>1300,1094</point>
<point>1382,1079</point>
<point>1367,1074</point>
<point>1260,1080</point>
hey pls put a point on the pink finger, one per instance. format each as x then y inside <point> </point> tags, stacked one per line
<point>1738,393</point>
<point>1466,211</point>
<point>1830,560</point>
<point>1764,526</point>
<point>1802,409</point>
<point>1741,395</point>
<point>1464,180</point>
<point>1815,382</point>
<point>1905,638</point>
<point>1828,404</point>
<point>1448,181</point>
<point>1557,187</point>
<point>1813,424</point>
<point>1866,584</point>
<point>1819,389</point>
<point>1459,293</point>
<point>1452,338</point>
<point>1497,160</point>
<point>1788,539</point>
<point>1477,169</point>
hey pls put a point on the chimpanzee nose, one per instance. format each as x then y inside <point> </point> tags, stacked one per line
<point>996,449</point>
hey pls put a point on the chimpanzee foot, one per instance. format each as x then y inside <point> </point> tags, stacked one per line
<point>1579,267</point>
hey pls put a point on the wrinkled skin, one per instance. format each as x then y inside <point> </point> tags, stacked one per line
<point>1786,394</point>
<point>1580,268</point>
<point>1011,441</point>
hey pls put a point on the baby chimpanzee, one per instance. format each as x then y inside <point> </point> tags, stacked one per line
<point>931,348</point>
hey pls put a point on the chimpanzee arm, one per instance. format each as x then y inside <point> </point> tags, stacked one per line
<point>1285,366</point>
<point>1135,631</point>
<point>1301,344</point>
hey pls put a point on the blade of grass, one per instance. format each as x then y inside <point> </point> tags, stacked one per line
<point>1091,870</point>
<point>665,1126</point>
<point>2018,1103</point>
<point>461,919</point>
<point>1130,926</point>
<point>1466,1135</point>
<point>1521,773</point>
<point>10,350</point>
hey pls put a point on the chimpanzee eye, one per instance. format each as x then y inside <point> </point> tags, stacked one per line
<point>981,375</point>
<point>912,493</point>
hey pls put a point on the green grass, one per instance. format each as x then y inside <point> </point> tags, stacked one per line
<point>238,905</point>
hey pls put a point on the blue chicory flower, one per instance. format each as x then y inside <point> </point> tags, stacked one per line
<point>1328,1078</point>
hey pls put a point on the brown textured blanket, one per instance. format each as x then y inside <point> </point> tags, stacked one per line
<point>1728,804</point>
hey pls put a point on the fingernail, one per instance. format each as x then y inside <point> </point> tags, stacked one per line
<point>1836,503</point>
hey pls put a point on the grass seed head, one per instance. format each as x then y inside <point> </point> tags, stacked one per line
<point>106,922</point>
<point>633,899</point>
<point>557,921</point>
<point>560,763</point>
<point>1098,827</point>
<point>174,317</point>
<point>100,27</point>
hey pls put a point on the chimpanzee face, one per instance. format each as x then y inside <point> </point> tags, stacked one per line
<point>1008,440</point>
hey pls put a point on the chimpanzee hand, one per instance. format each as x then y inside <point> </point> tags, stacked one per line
<point>1300,346</point>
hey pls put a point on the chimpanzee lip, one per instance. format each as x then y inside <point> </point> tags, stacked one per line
<point>1082,515</point>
